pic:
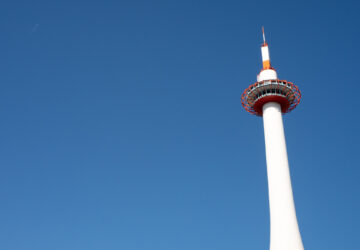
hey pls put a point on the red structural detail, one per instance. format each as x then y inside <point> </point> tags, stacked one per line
<point>288,102</point>
<point>271,98</point>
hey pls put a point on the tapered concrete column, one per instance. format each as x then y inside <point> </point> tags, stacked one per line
<point>284,230</point>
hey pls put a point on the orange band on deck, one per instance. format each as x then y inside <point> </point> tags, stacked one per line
<point>266,64</point>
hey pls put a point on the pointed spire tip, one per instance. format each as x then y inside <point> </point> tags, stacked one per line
<point>263,33</point>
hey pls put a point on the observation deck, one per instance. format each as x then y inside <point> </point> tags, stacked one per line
<point>287,94</point>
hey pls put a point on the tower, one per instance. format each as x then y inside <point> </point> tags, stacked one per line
<point>270,97</point>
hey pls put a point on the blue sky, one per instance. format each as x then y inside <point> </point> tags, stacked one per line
<point>122,127</point>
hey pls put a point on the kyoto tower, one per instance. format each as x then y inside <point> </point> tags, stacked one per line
<point>270,97</point>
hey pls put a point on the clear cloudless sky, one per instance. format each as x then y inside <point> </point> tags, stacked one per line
<point>121,126</point>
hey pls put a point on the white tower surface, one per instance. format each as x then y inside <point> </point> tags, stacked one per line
<point>269,97</point>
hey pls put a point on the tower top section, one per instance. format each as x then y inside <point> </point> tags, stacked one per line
<point>269,88</point>
<point>265,53</point>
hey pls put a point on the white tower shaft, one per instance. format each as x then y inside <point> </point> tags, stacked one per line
<point>284,230</point>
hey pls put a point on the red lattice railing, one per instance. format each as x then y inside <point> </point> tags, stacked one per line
<point>291,97</point>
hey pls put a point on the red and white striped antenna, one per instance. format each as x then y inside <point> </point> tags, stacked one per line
<point>265,52</point>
